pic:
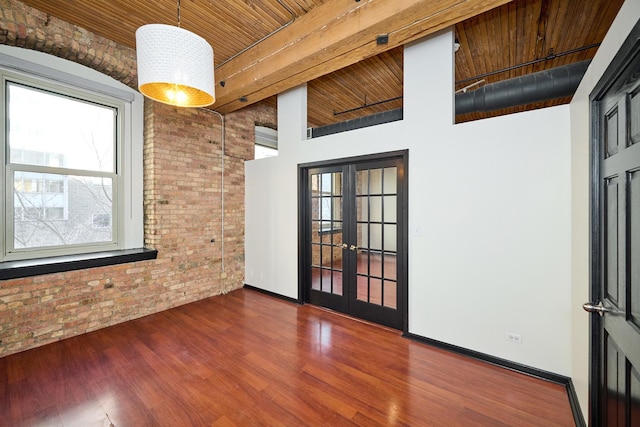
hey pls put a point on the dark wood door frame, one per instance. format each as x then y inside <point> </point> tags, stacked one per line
<point>403,231</point>
<point>621,60</point>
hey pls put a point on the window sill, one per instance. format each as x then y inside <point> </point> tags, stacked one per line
<point>39,266</point>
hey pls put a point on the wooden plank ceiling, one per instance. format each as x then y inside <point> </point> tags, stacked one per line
<point>346,75</point>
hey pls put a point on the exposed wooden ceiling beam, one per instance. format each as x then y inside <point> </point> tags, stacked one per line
<point>330,37</point>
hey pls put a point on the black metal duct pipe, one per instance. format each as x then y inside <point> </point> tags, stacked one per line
<point>536,87</point>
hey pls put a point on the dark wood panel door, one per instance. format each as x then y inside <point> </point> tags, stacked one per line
<point>354,252</point>
<point>616,306</point>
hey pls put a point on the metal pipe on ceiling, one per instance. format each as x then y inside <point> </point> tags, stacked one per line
<point>528,89</point>
<point>531,88</point>
<point>550,56</point>
<point>536,87</point>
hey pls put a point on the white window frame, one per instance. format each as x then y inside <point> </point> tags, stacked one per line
<point>61,75</point>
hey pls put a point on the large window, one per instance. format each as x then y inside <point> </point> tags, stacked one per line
<point>67,161</point>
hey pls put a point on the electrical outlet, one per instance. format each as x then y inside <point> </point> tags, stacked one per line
<point>514,338</point>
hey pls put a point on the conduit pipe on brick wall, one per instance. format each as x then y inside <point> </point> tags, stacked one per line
<point>222,141</point>
<point>291,20</point>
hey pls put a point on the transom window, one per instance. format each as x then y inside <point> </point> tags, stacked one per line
<point>266,144</point>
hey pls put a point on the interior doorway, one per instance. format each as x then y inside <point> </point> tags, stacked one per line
<point>354,237</point>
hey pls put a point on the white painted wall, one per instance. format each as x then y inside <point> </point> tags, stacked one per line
<point>489,214</point>
<point>579,111</point>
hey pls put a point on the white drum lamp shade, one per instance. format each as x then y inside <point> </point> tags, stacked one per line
<point>175,66</point>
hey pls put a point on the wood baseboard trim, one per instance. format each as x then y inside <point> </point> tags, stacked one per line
<point>575,405</point>
<point>272,294</point>
<point>513,366</point>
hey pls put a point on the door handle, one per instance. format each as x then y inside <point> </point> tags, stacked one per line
<point>596,308</point>
<point>342,245</point>
<point>354,247</point>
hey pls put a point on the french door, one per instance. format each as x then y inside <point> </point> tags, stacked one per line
<point>354,250</point>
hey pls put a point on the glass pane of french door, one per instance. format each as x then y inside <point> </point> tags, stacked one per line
<point>326,232</point>
<point>376,231</point>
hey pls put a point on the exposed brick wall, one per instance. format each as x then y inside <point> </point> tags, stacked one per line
<point>24,26</point>
<point>182,205</point>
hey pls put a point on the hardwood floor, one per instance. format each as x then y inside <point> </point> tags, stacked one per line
<point>247,359</point>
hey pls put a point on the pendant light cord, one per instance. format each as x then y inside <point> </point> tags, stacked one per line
<point>178,13</point>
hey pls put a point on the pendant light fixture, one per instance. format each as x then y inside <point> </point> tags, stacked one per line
<point>175,66</point>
